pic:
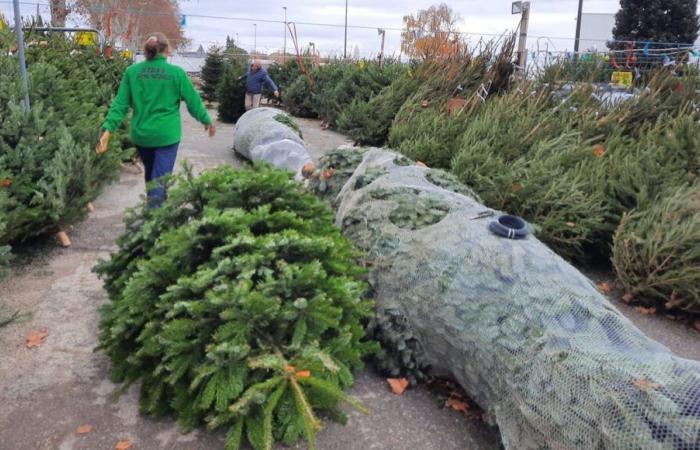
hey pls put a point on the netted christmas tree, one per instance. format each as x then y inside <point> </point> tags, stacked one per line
<point>232,94</point>
<point>237,304</point>
<point>656,252</point>
<point>212,73</point>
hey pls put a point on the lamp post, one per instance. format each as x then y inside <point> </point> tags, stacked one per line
<point>284,51</point>
<point>255,39</point>
<point>522,8</point>
<point>577,42</point>
<point>20,50</point>
<point>345,45</point>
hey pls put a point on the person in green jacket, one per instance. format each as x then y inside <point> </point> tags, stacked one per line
<point>154,89</point>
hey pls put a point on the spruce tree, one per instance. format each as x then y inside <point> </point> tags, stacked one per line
<point>232,94</point>
<point>668,21</point>
<point>212,73</point>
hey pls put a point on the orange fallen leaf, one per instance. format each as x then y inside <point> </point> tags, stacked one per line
<point>327,174</point>
<point>571,224</point>
<point>457,405</point>
<point>598,150</point>
<point>123,445</point>
<point>517,187</point>
<point>36,338</point>
<point>696,325</point>
<point>6,182</point>
<point>421,164</point>
<point>84,429</point>
<point>303,374</point>
<point>646,311</point>
<point>627,297</point>
<point>645,384</point>
<point>398,385</point>
<point>604,287</point>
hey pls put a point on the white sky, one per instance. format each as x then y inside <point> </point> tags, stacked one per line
<point>552,18</point>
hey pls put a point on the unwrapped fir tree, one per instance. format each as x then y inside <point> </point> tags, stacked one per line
<point>212,73</point>
<point>237,303</point>
<point>231,94</point>
<point>666,22</point>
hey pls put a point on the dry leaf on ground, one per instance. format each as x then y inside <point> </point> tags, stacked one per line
<point>123,445</point>
<point>36,338</point>
<point>645,384</point>
<point>697,325</point>
<point>646,311</point>
<point>83,429</point>
<point>627,297</point>
<point>457,405</point>
<point>398,385</point>
<point>604,287</point>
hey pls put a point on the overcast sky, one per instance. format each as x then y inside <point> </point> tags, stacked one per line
<point>551,18</point>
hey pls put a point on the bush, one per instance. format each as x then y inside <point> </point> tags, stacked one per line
<point>297,98</point>
<point>212,73</point>
<point>239,304</point>
<point>656,252</point>
<point>232,94</point>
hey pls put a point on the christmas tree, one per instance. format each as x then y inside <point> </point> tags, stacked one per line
<point>238,304</point>
<point>231,94</point>
<point>212,73</point>
<point>668,21</point>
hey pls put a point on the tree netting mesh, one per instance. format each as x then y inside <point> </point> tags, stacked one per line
<point>529,337</point>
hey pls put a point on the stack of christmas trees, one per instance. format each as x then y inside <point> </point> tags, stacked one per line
<point>49,171</point>
<point>238,304</point>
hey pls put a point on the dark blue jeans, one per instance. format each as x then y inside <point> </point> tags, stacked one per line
<point>157,162</point>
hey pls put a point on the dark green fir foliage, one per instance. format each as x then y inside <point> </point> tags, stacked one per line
<point>237,304</point>
<point>212,73</point>
<point>231,94</point>
<point>297,97</point>
<point>656,252</point>
<point>667,21</point>
<point>283,75</point>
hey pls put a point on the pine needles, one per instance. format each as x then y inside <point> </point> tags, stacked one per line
<point>237,304</point>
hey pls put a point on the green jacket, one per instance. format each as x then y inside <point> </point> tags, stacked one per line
<point>155,89</point>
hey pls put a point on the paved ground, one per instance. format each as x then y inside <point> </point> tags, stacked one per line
<point>46,392</point>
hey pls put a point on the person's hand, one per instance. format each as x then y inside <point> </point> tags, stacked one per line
<point>277,94</point>
<point>211,129</point>
<point>103,143</point>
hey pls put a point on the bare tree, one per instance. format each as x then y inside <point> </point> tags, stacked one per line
<point>430,33</point>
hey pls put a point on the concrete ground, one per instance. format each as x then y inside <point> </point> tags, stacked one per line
<point>46,392</point>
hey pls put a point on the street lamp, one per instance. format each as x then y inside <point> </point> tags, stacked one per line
<point>284,52</point>
<point>255,38</point>
<point>577,42</point>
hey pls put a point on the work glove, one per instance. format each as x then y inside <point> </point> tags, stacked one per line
<point>103,143</point>
<point>277,94</point>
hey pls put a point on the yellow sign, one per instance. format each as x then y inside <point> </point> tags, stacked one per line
<point>128,54</point>
<point>622,78</point>
<point>86,38</point>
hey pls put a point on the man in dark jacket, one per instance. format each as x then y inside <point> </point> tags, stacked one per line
<point>256,77</point>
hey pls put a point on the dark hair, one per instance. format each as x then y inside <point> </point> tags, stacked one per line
<point>156,44</point>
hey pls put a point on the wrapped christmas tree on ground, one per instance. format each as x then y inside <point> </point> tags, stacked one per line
<point>237,304</point>
<point>529,337</point>
<point>656,252</point>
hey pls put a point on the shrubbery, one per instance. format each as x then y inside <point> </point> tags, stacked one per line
<point>231,94</point>
<point>237,304</point>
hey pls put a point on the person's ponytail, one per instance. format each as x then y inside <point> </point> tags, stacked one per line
<point>156,44</point>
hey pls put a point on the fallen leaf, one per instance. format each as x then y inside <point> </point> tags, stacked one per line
<point>398,385</point>
<point>327,174</point>
<point>696,325</point>
<point>627,297</point>
<point>6,182</point>
<point>123,445</point>
<point>457,405</point>
<point>36,338</point>
<point>598,150</point>
<point>517,187</point>
<point>421,164</point>
<point>571,224</point>
<point>646,311</point>
<point>604,287</point>
<point>645,384</point>
<point>303,374</point>
<point>424,103</point>
<point>83,429</point>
